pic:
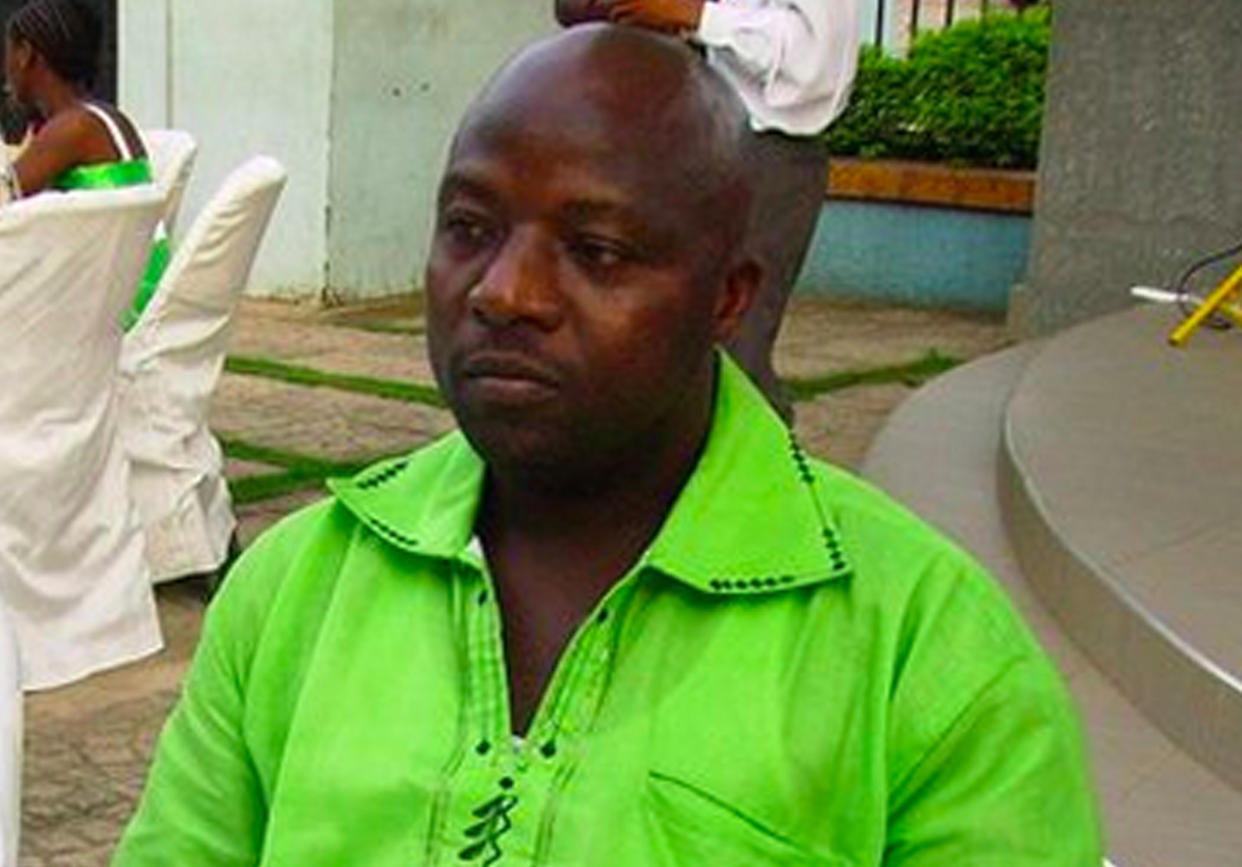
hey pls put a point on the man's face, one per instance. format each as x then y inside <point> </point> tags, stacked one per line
<point>573,291</point>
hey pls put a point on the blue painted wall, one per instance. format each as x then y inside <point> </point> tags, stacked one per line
<point>916,255</point>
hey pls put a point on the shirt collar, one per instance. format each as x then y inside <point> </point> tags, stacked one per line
<point>751,519</point>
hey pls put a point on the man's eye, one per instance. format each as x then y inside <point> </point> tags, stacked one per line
<point>468,230</point>
<point>595,252</point>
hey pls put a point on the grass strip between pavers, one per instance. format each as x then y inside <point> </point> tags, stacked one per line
<point>300,471</point>
<point>380,327</point>
<point>391,389</point>
<point>913,373</point>
<point>256,489</point>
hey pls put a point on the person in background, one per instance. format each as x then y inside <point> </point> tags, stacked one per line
<point>792,63</point>
<point>51,56</point>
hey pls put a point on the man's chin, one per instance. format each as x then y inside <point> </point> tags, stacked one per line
<point>504,440</point>
<point>533,455</point>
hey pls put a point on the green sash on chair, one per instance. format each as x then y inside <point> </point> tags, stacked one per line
<point>111,176</point>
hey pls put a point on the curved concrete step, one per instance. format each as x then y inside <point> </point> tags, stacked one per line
<point>1122,498</point>
<point>939,454</point>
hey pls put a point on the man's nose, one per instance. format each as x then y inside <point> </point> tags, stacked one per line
<point>520,283</point>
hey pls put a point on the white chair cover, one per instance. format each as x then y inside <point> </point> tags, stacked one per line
<point>172,153</point>
<point>10,744</point>
<point>170,364</point>
<point>72,571</point>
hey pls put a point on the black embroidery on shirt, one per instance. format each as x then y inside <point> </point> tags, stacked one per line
<point>393,534</point>
<point>803,468</point>
<point>801,464</point>
<point>384,476</point>
<point>832,544</point>
<point>494,823</point>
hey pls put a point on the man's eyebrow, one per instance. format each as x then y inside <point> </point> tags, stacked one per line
<point>598,208</point>
<point>460,183</point>
<point>624,214</point>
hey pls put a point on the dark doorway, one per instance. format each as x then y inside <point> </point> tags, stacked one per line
<point>11,124</point>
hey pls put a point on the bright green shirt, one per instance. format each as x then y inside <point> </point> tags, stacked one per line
<point>797,672</point>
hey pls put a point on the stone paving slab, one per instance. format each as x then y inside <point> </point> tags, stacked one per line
<point>331,347</point>
<point>821,337</point>
<point>839,427</point>
<point>321,422</point>
<point>235,468</point>
<point>87,746</point>
<point>254,518</point>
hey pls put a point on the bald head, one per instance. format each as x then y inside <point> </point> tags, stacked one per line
<point>649,104</point>
<point>588,258</point>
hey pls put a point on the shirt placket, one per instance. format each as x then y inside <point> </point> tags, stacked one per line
<point>517,782</point>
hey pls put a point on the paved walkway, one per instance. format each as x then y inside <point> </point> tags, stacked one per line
<point>310,393</point>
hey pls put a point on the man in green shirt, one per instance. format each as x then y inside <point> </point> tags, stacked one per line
<point>620,619</point>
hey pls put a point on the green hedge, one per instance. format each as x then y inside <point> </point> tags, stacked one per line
<point>970,95</point>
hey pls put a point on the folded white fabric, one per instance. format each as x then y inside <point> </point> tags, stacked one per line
<point>171,153</point>
<point>170,363</point>
<point>10,190</point>
<point>72,572</point>
<point>10,744</point>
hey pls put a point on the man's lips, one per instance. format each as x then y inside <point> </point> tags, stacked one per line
<point>508,375</point>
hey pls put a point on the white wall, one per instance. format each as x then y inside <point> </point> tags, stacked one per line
<point>357,97</point>
<point>244,78</point>
<point>142,60</point>
<point>254,77</point>
<point>404,72</point>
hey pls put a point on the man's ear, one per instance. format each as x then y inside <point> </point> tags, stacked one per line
<point>741,285</point>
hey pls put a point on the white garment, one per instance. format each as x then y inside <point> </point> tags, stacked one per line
<point>791,61</point>
<point>171,153</point>
<point>170,363</point>
<point>9,189</point>
<point>72,573</point>
<point>10,743</point>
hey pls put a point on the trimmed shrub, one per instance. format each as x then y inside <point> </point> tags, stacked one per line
<point>970,95</point>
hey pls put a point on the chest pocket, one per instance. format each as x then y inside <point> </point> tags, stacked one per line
<point>688,827</point>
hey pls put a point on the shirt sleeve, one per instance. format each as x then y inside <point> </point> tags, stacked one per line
<point>986,755</point>
<point>203,805</point>
<point>791,61</point>
<point>1005,786</point>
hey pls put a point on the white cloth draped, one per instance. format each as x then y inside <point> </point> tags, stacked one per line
<point>171,153</point>
<point>72,572</point>
<point>170,363</point>
<point>10,744</point>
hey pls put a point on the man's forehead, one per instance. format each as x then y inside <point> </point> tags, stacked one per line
<point>576,186</point>
<point>627,118</point>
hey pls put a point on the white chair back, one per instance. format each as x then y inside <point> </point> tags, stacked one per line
<point>71,568</point>
<point>171,361</point>
<point>172,153</point>
<point>10,744</point>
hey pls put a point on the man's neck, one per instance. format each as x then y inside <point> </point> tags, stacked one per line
<point>604,526</point>
<point>555,550</point>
